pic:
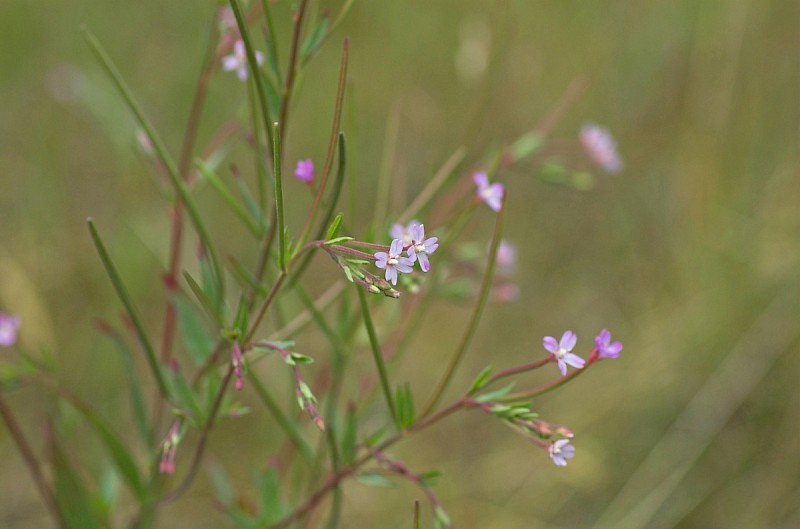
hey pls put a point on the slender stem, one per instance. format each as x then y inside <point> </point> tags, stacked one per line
<point>378,356</point>
<point>291,68</point>
<point>201,443</point>
<point>31,462</point>
<point>333,481</point>
<point>517,370</point>
<point>540,390</point>
<point>337,116</point>
<point>276,159</point>
<point>488,276</point>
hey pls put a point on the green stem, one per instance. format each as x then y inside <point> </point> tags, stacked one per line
<point>276,158</point>
<point>255,70</point>
<point>378,357</point>
<point>488,276</point>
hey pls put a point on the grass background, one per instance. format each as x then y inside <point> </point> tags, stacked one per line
<point>689,256</point>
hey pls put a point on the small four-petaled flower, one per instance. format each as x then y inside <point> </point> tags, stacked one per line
<point>420,246</point>
<point>561,351</point>
<point>560,451</point>
<point>492,194</point>
<point>605,348</point>
<point>304,171</point>
<point>392,262</point>
<point>398,231</point>
<point>238,60</point>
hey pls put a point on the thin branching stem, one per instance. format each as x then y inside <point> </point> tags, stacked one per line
<point>291,68</point>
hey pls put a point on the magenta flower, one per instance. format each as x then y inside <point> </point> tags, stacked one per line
<point>238,60</point>
<point>606,349</point>
<point>392,261</point>
<point>601,147</point>
<point>237,361</point>
<point>491,194</point>
<point>561,350</point>
<point>560,451</point>
<point>421,247</point>
<point>169,449</point>
<point>397,231</point>
<point>305,171</point>
<point>8,330</point>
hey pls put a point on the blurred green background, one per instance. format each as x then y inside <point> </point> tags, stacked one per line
<point>689,256</point>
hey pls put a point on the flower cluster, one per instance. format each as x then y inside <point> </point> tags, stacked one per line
<point>169,449</point>
<point>410,239</point>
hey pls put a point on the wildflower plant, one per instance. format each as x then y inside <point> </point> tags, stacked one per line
<point>219,342</point>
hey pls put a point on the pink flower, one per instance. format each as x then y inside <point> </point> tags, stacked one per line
<point>506,258</point>
<point>561,351</point>
<point>560,451</point>
<point>304,171</point>
<point>491,194</point>
<point>169,449</point>
<point>397,231</point>
<point>421,247</point>
<point>238,60</point>
<point>392,261</point>
<point>8,330</point>
<point>237,361</point>
<point>601,147</point>
<point>606,349</point>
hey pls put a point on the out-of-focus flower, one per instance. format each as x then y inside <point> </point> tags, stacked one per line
<point>9,325</point>
<point>492,194</point>
<point>560,451</point>
<point>601,147</point>
<point>392,261</point>
<point>506,258</point>
<point>398,231</point>
<point>304,171</point>
<point>561,350</point>
<point>606,349</point>
<point>421,247</point>
<point>238,60</point>
<point>237,361</point>
<point>169,449</point>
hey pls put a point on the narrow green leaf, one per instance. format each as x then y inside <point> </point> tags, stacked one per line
<point>272,44</point>
<point>136,397</point>
<point>133,314</point>
<point>276,159</point>
<point>195,335</point>
<point>272,508</point>
<point>374,480</point>
<point>73,500</point>
<point>481,380</point>
<point>338,240</point>
<point>202,297</point>
<point>182,394</point>
<point>494,395</point>
<point>349,436</point>
<point>333,231</point>
<point>122,459</point>
<point>314,39</point>
<point>244,31</point>
<point>229,199</point>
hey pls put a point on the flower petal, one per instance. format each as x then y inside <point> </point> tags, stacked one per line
<point>568,341</point>
<point>550,344</point>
